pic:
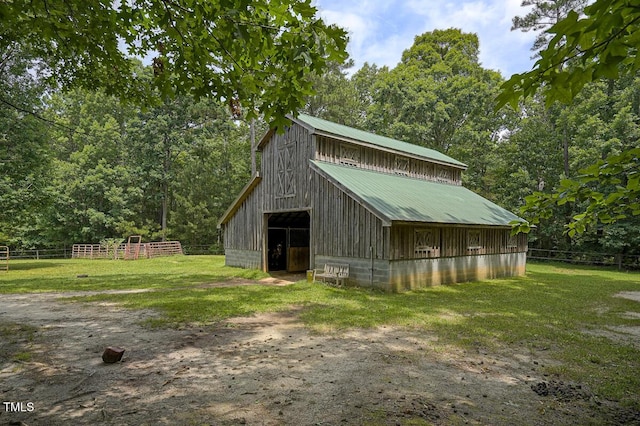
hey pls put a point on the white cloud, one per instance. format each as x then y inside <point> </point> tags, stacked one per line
<point>381,30</point>
<point>359,27</point>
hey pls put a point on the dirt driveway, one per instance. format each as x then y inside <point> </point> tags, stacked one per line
<point>266,370</point>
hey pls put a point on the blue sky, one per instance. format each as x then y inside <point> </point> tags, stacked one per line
<point>380,30</point>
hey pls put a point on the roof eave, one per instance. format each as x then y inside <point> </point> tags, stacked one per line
<point>267,136</point>
<point>265,139</point>
<point>244,194</point>
<point>448,224</point>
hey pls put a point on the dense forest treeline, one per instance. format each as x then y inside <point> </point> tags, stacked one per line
<point>85,167</point>
<point>80,166</point>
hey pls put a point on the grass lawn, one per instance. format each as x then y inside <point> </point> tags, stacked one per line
<point>28,276</point>
<point>557,310</point>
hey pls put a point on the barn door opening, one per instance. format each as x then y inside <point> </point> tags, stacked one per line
<point>288,241</point>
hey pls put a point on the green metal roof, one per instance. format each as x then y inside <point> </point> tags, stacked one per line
<point>404,199</point>
<point>380,141</point>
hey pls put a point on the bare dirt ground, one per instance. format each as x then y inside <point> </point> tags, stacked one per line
<point>267,370</point>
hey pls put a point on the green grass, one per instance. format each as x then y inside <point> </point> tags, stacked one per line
<point>551,313</point>
<point>27,276</point>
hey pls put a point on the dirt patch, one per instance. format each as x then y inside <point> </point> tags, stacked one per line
<point>632,295</point>
<point>264,370</point>
<point>274,280</point>
<point>626,334</point>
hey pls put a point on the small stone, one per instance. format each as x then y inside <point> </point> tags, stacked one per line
<point>112,354</point>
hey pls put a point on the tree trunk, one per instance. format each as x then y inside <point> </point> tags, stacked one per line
<point>165,186</point>
<point>565,152</point>
<point>165,196</point>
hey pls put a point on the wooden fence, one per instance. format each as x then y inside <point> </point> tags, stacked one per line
<point>124,251</point>
<point>67,252</point>
<point>91,251</point>
<point>631,262</point>
<point>165,248</point>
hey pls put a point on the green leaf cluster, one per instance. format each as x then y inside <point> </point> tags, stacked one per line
<point>254,54</point>
<point>610,190</point>
<point>600,44</point>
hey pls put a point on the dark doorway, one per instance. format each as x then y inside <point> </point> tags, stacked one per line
<point>288,241</point>
<point>277,249</point>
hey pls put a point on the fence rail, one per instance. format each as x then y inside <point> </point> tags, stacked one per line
<point>91,251</point>
<point>588,258</point>
<point>57,253</point>
<point>67,252</point>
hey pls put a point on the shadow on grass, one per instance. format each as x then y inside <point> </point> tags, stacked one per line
<point>546,312</point>
<point>88,282</point>
<point>36,264</point>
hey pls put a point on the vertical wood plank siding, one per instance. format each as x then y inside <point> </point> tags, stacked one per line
<point>298,141</point>
<point>344,228</point>
<point>454,241</point>
<point>244,230</point>
<point>329,150</point>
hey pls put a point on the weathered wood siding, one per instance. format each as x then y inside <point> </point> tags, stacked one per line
<point>286,177</point>
<point>341,227</point>
<point>244,230</point>
<point>285,186</point>
<point>340,152</point>
<point>450,241</point>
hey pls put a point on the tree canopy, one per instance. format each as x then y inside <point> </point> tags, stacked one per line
<point>255,55</point>
<point>543,15</point>
<point>601,44</point>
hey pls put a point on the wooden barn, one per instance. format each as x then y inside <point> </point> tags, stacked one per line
<point>395,213</point>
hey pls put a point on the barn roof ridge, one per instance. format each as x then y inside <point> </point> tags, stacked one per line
<point>322,126</point>
<point>396,198</point>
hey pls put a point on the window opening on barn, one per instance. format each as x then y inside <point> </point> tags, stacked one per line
<point>512,241</point>
<point>286,184</point>
<point>424,243</point>
<point>350,155</point>
<point>445,174</point>
<point>473,240</point>
<point>403,166</point>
